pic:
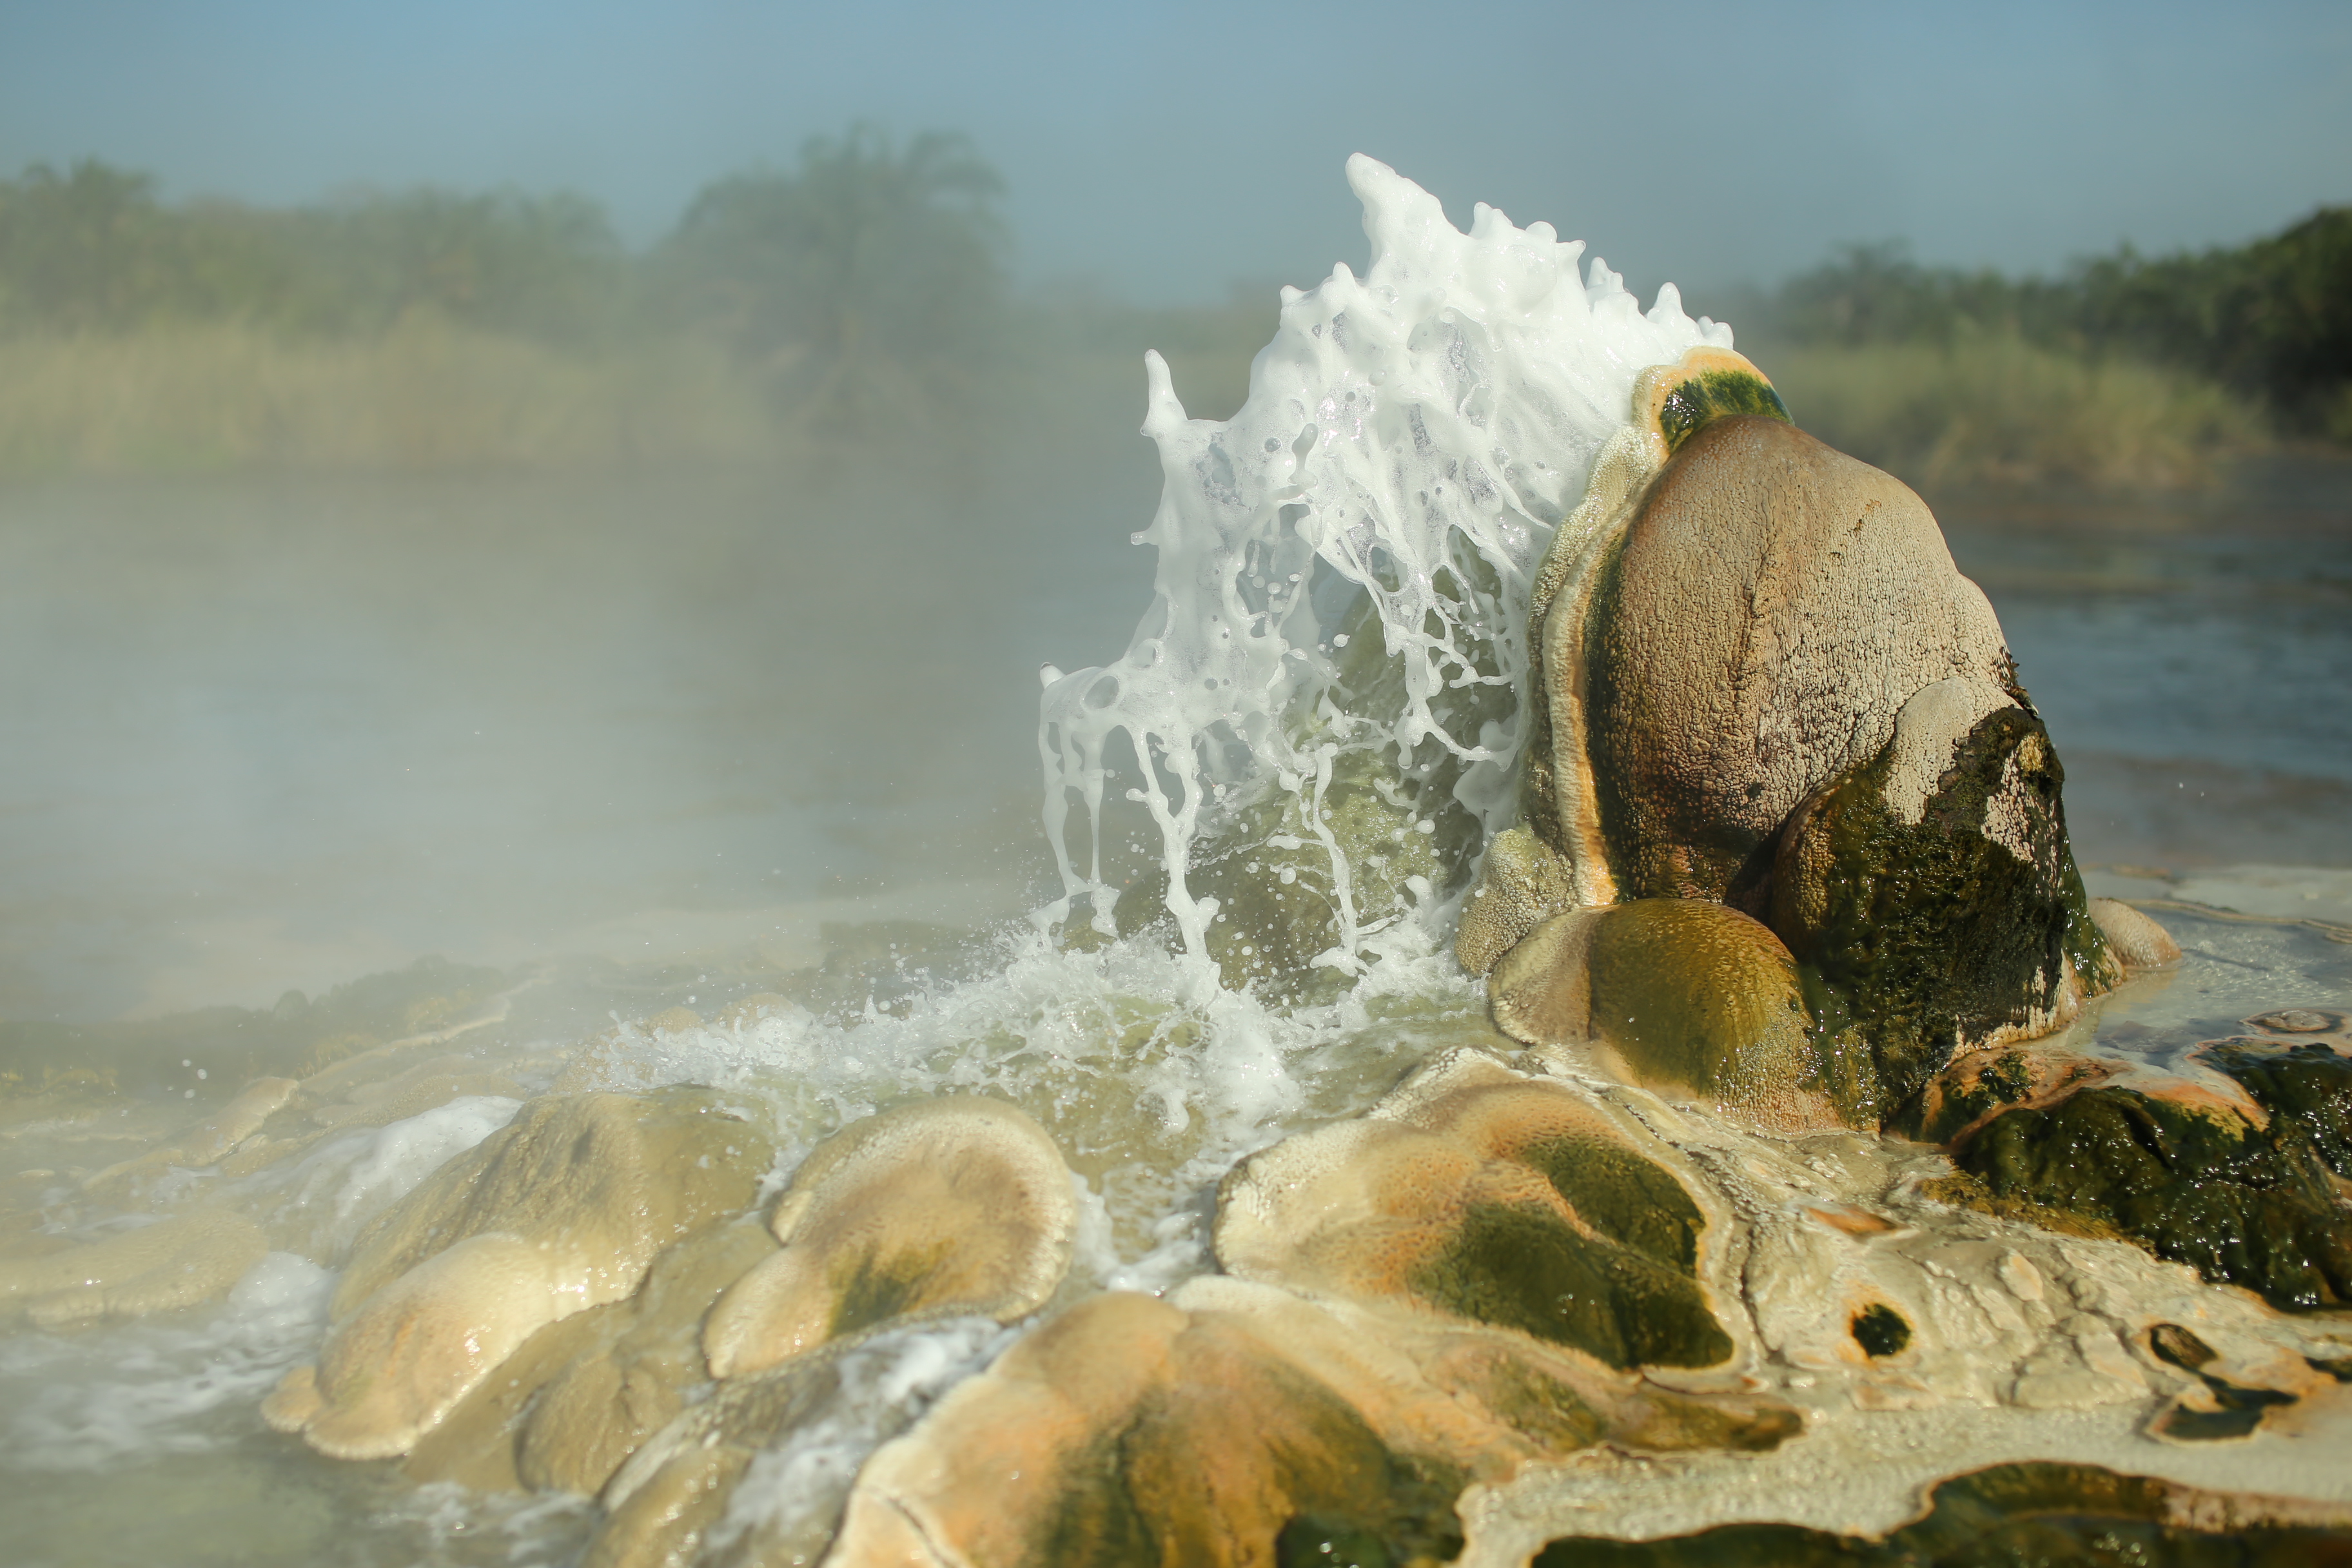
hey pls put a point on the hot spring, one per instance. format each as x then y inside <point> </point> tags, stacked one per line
<point>820,1162</point>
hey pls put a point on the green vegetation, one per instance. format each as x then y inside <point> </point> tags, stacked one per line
<point>2001,411</point>
<point>858,297</point>
<point>862,293</point>
<point>2127,371</point>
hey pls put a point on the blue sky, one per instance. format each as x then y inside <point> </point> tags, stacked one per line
<point>1166,152</point>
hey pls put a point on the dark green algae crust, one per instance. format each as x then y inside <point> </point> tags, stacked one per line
<point>1628,1294</point>
<point>1350,1492</point>
<point>1914,935</point>
<point>1879,1330</point>
<point>1712,395</point>
<point>2241,1205</point>
<point>2011,1516</point>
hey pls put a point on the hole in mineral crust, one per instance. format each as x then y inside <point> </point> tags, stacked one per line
<point>1879,1330</point>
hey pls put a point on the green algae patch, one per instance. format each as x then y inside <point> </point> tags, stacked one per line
<point>1143,1492</point>
<point>1518,1266</point>
<point>1689,993</point>
<point>871,1286</point>
<point>1971,1090</point>
<point>1879,1330</point>
<point>1632,1201</point>
<point>2307,1087</point>
<point>2011,1516</point>
<point>1911,936</point>
<point>2240,1206</point>
<point>1961,1190</point>
<point>1712,395</point>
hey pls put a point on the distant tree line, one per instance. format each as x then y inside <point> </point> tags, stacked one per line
<point>2272,318</point>
<point>870,265</point>
<point>867,252</point>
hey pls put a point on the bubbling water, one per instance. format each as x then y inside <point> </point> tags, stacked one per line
<point>1412,440</point>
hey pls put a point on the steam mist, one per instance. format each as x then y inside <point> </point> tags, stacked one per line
<point>438,577</point>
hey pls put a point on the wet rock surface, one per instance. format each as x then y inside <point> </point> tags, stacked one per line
<point>949,1207</point>
<point>2241,1176</point>
<point>1755,631</point>
<point>1476,1193</point>
<point>563,1210</point>
<point>2007,1517</point>
<point>1930,897</point>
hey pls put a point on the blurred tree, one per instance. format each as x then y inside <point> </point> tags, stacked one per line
<point>544,267</point>
<point>92,249</point>
<point>868,272</point>
<point>87,249</point>
<point>2273,317</point>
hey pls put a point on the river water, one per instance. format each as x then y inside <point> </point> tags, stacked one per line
<point>272,735</point>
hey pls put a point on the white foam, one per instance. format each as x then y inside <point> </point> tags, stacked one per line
<point>1415,436</point>
<point>791,1495</point>
<point>1121,1044</point>
<point>332,1191</point>
<point>183,1384</point>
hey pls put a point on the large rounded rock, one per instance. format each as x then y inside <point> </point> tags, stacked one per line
<point>1752,634</point>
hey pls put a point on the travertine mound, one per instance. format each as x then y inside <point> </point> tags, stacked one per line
<point>562,1210</point>
<point>175,1262</point>
<point>1237,1423</point>
<point>1753,634</point>
<point>1476,1196</point>
<point>957,1206</point>
<point>581,1395</point>
<point>1762,683</point>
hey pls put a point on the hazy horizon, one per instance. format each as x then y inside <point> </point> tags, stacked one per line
<point>1167,154</point>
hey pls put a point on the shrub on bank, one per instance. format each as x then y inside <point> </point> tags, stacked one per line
<point>2001,411</point>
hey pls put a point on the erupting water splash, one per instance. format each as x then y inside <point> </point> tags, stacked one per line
<point>1410,442</point>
